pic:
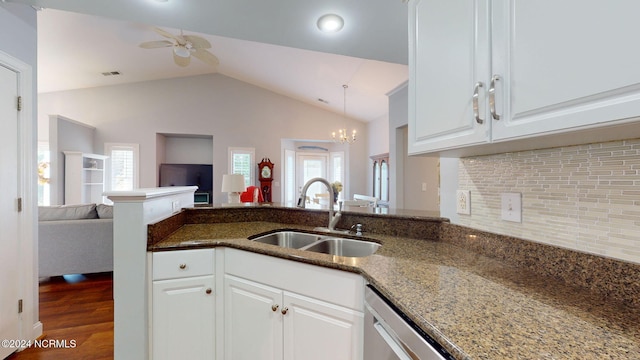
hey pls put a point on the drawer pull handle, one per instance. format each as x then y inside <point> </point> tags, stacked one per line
<point>284,311</point>
<point>208,291</point>
<point>274,307</point>
<point>182,266</point>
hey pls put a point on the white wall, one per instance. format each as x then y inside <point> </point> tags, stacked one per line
<point>409,173</point>
<point>188,150</point>
<point>379,135</point>
<point>65,135</point>
<point>235,113</point>
<point>398,118</point>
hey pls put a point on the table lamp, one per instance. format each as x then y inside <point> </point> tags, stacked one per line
<point>234,185</point>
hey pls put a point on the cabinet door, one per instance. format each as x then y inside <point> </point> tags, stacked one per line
<point>317,330</point>
<point>183,318</point>
<point>566,64</point>
<point>448,57</point>
<point>252,320</point>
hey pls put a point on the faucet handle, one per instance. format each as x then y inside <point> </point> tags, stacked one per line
<point>358,227</point>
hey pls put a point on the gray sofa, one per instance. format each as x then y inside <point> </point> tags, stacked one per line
<point>75,239</point>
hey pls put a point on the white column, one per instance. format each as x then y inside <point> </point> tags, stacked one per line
<point>133,211</point>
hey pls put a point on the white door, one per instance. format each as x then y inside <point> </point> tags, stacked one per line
<point>310,166</point>
<point>565,64</point>
<point>183,318</point>
<point>9,219</point>
<point>448,59</point>
<point>252,320</point>
<point>316,330</point>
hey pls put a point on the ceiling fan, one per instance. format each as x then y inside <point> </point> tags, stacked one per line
<point>183,47</point>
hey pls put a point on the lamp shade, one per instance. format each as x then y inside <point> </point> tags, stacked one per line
<point>232,183</point>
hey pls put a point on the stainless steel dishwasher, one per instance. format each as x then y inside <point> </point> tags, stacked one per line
<point>389,334</point>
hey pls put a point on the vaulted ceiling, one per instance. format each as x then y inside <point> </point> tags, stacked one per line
<point>273,44</point>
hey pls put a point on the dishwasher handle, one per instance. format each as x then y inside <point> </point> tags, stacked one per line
<point>397,346</point>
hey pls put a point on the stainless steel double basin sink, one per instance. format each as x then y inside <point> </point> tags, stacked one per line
<point>326,244</point>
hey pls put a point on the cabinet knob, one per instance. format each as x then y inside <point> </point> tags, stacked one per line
<point>274,307</point>
<point>208,291</point>
<point>182,266</point>
<point>284,311</point>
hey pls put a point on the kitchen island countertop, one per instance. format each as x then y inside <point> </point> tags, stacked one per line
<point>475,306</point>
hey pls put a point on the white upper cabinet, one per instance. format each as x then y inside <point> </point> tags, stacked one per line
<point>538,68</point>
<point>448,60</point>
<point>566,64</point>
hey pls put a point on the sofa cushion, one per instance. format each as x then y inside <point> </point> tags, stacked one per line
<point>67,212</point>
<point>104,211</point>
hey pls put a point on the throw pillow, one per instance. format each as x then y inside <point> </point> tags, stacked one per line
<point>104,211</point>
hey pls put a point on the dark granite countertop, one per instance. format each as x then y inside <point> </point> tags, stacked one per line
<point>477,307</point>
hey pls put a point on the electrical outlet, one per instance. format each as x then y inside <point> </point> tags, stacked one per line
<point>175,206</point>
<point>463,202</point>
<point>512,207</point>
<point>424,186</point>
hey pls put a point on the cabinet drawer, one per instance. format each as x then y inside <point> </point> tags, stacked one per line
<point>182,263</point>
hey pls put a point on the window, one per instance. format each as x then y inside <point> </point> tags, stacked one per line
<point>381,176</point>
<point>290,178</point>
<point>44,171</point>
<point>337,166</point>
<point>123,166</point>
<point>242,161</point>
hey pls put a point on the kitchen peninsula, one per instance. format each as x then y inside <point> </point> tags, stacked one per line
<point>514,303</point>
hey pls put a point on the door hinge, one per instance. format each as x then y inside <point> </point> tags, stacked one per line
<point>19,204</point>
<point>20,306</point>
<point>19,104</point>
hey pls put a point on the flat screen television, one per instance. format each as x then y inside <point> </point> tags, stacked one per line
<point>200,175</point>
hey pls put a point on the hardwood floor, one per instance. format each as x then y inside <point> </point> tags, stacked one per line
<point>77,316</point>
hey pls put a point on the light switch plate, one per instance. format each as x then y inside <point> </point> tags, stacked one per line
<point>463,202</point>
<point>512,207</point>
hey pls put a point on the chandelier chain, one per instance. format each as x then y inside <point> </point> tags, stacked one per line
<point>342,133</point>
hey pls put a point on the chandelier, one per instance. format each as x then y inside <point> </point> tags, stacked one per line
<point>342,136</point>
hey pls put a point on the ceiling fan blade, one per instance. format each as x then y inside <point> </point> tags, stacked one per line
<point>156,44</point>
<point>206,57</point>
<point>197,41</point>
<point>181,61</point>
<point>165,33</point>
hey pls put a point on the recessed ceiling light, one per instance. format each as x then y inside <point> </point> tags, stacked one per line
<point>330,23</point>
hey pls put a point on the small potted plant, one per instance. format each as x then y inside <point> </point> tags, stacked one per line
<point>337,188</point>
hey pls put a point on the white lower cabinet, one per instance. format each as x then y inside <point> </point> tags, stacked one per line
<point>273,308</point>
<point>316,330</point>
<point>183,305</point>
<point>252,329</point>
<point>279,309</point>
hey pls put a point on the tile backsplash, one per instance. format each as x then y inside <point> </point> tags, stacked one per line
<point>584,197</point>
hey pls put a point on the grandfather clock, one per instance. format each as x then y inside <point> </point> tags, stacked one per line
<point>265,170</point>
